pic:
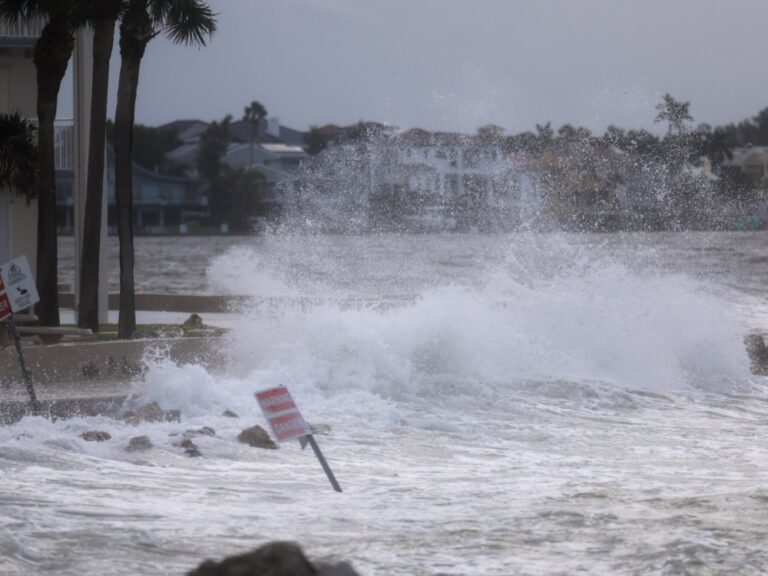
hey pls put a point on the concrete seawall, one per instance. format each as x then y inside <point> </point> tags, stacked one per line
<point>91,377</point>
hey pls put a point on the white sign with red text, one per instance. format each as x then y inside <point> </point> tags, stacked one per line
<point>283,415</point>
<point>17,287</point>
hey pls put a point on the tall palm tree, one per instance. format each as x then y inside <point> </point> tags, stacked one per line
<point>52,53</point>
<point>185,22</point>
<point>254,114</point>
<point>104,14</point>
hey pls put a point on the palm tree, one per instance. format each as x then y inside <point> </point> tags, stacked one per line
<point>18,155</point>
<point>185,22</point>
<point>104,16</point>
<point>674,112</point>
<point>52,53</point>
<point>254,114</point>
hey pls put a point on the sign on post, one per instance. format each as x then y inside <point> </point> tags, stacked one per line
<point>287,423</point>
<point>17,286</point>
<point>18,292</point>
<point>281,413</point>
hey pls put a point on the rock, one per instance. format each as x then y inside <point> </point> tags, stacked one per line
<point>139,443</point>
<point>95,436</point>
<point>186,444</point>
<point>274,559</point>
<point>758,354</point>
<point>194,322</point>
<point>204,431</point>
<point>229,414</point>
<point>151,412</point>
<point>193,452</point>
<point>257,437</point>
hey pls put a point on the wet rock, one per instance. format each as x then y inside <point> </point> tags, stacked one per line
<point>229,414</point>
<point>190,448</point>
<point>257,437</point>
<point>138,444</point>
<point>758,353</point>
<point>274,559</point>
<point>204,431</point>
<point>194,322</point>
<point>96,436</point>
<point>151,412</point>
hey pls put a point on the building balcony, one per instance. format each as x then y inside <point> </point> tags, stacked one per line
<point>22,33</point>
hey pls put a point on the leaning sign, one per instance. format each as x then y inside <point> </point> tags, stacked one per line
<point>281,413</point>
<point>287,423</point>
<point>17,287</point>
<point>18,292</point>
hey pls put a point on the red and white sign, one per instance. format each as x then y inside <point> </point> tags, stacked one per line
<point>5,306</point>
<point>281,412</point>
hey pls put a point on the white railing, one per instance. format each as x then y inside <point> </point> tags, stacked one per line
<point>64,139</point>
<point>23,28</point>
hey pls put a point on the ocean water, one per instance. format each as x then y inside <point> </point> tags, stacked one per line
<point>513,404</point>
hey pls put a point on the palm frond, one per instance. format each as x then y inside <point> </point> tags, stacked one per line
<point>185,21</point>
<point>15,10</point>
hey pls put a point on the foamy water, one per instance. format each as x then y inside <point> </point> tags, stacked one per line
<point>520,405</point>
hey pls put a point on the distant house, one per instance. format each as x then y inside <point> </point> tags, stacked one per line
<point>276,149</point>
<point>18,93</point>
<point>161,203</point>
<point>751,161</point>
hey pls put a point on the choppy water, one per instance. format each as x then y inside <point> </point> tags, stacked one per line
<point>528,405</point>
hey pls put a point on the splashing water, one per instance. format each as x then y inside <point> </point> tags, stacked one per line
<point>498,404</point>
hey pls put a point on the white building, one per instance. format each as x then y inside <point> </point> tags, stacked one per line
<point>18,93</point>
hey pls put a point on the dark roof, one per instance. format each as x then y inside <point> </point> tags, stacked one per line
<point>179,126</point>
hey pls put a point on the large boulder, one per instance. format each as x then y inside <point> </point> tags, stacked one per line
<point>95,436</point>
<point>151,412</point>
<point>139,444</point>
<point>257,437</point>
<point>758,353</point>
<point>274,559</point>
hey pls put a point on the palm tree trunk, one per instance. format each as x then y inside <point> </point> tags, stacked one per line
<point>52,53</point>
<point>135,33</point>
<point>103,40</point>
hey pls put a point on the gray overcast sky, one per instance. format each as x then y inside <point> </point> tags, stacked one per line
<point>459,64</point>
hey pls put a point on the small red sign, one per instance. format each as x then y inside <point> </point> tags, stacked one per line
<point>5,306</point>
<point>281,412</point>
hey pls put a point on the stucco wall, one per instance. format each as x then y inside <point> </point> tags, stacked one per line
<point>20,96</point>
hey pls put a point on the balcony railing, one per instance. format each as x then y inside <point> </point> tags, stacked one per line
<point>22,32</point>
<point>64,139</point>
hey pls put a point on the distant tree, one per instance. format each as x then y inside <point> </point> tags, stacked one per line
<point>151,146</point>
<point>752,131</point>
<point>490,135</point>
<point>253,114</point>
<point>715,148</point>
<point>213,146</point>
<point>18,155</point>
<point>315,141</point>
<point>674,113</point>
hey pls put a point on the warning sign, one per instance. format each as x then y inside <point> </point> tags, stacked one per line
<point>281,412</point>
<point>19,285</point>
<point>5,306</point>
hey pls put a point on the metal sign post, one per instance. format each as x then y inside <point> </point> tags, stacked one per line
<point>287,423</point>
<point>18,292</point>
<point>25,374</point>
